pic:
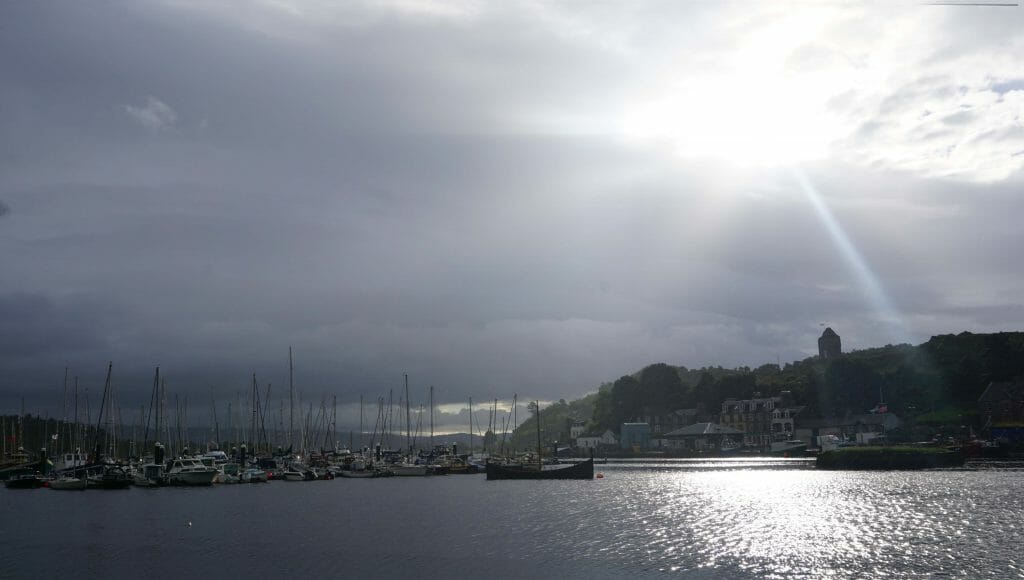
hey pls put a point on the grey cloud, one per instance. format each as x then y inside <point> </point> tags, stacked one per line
<point>400,195</point>
<point>959,118</point>
<point>1009,85</point>
<point>155,115</point>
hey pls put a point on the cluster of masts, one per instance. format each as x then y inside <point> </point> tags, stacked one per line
<point>250,422</point>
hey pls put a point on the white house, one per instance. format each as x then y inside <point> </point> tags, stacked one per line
<point>606,438</point>
<point>577,429</point>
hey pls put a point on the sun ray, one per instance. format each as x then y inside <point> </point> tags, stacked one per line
<point>869,282</point>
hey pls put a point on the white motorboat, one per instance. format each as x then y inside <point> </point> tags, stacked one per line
<point>186,471</point>
<point>297,472</point>
<point>358,468</point>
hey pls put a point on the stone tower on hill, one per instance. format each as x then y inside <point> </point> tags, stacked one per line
<point>829,345</point>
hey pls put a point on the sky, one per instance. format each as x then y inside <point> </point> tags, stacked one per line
<point>494,198</point>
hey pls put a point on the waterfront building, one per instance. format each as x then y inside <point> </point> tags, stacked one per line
<point>861,428</point>
<point>635,436</point>
<point>602,441</point>
<point>762,420</point>
<point>703,437</point>
<point>1001,406</point>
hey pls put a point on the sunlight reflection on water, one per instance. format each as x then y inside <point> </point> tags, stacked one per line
<point>770,523</point>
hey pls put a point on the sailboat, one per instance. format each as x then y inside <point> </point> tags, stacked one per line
<point>581,470</point>
<point>408,468</point>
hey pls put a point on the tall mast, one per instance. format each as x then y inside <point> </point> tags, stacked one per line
<point>160,422</point>
<point>216,424</point>
<point>388,422</point>
<point>154,404</point>
<point>431,418</point>
<point>539,460</point>
<point>408,426</point>
<point>21,425</point>
<point>252,424</point>
<point>471,425</point>
<point>74,442</point>
<point>291,394</point>
<point>362,431</point>
<point>64,439</point>
<point>99,421</point>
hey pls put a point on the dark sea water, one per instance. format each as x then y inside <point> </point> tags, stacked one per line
<point>767,519</point>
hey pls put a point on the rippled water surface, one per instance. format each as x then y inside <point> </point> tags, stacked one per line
<point>768,519</point>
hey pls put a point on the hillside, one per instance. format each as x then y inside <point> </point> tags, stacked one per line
<point>936,383</point>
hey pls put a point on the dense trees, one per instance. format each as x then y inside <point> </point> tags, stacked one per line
<point>942,377</point>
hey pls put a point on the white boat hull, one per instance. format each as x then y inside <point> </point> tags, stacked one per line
<point>69,484</point>
<point>192,478</point>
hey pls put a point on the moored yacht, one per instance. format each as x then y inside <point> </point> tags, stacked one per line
<point>28,480</point>
<point>152,475</point>
<point>109,476</point>
<point>187,471</point>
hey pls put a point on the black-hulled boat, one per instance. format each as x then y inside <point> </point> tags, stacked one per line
<point>25,481</point>
<point>581,470</point>
<point>111,477</point>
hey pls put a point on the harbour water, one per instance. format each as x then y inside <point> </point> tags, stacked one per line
<point>713,519</point>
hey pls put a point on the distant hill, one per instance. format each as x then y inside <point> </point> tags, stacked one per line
<point>937,382</point>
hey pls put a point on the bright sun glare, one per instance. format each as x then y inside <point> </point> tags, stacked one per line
<point>754,108</point>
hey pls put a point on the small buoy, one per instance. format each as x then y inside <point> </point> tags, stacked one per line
<point>600,476</point>
<point>188,524</point>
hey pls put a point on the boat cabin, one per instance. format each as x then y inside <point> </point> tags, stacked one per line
<point>72,460</point>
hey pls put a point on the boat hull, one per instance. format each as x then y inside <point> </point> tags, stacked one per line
<point>69,484</point>
<point>581,470</point>
<point>254,476</point>
<point>358,474</point>
<point>196,478</point>
<point>109,483</point>
<point>408,470</point>
<point>24,482</point>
